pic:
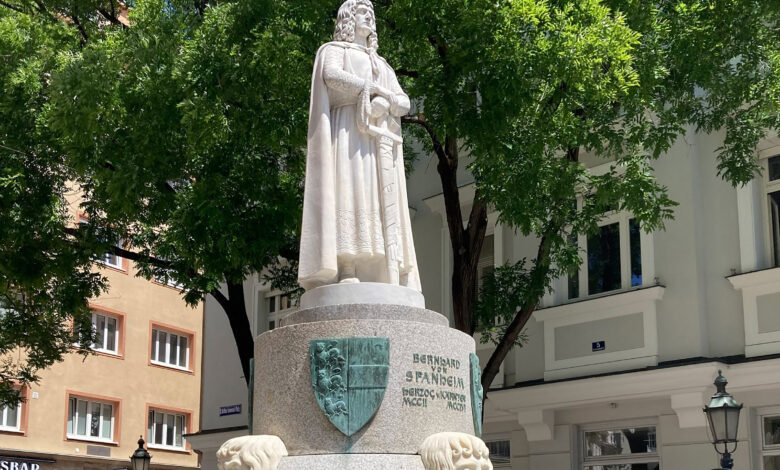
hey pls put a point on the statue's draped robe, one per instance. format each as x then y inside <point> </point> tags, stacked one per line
<point>342,209</point>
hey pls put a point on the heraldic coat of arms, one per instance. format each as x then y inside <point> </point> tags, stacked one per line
<point>349,376</point>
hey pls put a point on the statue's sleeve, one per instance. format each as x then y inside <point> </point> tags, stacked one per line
<point>400,104</point>
<point>334,74</point>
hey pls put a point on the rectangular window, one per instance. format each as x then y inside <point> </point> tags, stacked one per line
<point>170,349</point>
<point>604,260</point>
<point>166,429</point>
<point>626,448</point>
<point>770,449</point>
<point>89,419</point>
<point>612,258</point>
<point>774,168</point>
<point>10,418</point>
<point>110,259</point>
<point>500,453</point>
<point>774,225</point>
<point>106,333</point>
<point>277,306</point>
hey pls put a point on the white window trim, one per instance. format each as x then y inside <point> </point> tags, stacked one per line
<point>560,293</point>
<point>89,402</point>
<point>767,187</point>
<point>757,434</point>
<point>754,285</point>
<point>167,281</point>
<point>119,261</point>
<point>4,419</point>
<point>152,445</point>
<point>649,457</point>
<point>115,351</point>
<point>497,438</point>
<point>278,315</point>
<point>167,347</point>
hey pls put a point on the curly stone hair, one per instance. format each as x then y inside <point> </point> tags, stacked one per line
<point>345,23</point>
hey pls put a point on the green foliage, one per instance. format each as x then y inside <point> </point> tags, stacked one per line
<point>526,86</point>
<point>45,279</point>
<point>186,131</point>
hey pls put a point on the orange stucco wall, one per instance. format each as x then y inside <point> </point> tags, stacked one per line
<point>129,380</point>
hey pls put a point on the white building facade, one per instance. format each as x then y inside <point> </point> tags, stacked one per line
<point>621,358</point>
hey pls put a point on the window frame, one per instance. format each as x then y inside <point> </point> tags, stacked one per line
<point>120,331</point>
<point>560,291</point>
<point>106,316</point>
<point>4,418</point>
<point>179,332</point>
<point>122,264</point>
<point>165,412</point>
<point>623,219</point>
<point>22,411</point>
<point>91,399</point>
<point>762,449</point>
<point>649,457</point>
<point>499,438</point>
<point>278,313</point>
<point>768,187</point>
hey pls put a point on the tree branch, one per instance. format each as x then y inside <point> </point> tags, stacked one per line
<point>80,27</point>
<point>538,274</point>
<point>407,73</point>
<point>41,7</point>
<point>131,255</point>
<point>420,120</point>
<point>111,17</point>
<point>12,7</point>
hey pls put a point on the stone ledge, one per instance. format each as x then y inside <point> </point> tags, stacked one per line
<point>352,462</point>
<point>362,293</point>
<point>365,311</point>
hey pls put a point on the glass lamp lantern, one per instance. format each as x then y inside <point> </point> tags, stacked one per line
<point>140,458</point>
<point>723,417</point>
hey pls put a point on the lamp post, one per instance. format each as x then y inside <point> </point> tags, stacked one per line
<point>723,416</point>
<point>140,458</point>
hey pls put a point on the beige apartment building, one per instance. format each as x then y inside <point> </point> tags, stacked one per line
<point>143,380</point>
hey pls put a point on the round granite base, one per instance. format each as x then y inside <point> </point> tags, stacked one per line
<point>428,387</point>
<point>352,462</point>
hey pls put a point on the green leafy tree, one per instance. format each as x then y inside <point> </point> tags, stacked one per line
<point>516,90</point>
<point>186,129</point>
<point>181,138</point>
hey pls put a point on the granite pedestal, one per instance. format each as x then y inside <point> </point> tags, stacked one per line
<point>428,384</point>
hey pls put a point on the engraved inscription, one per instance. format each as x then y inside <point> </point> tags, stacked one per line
<point>436,381</point>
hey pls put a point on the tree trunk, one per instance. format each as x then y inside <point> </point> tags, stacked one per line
<point>466,241</point>
<point>235,309</point>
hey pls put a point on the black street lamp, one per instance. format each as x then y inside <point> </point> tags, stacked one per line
<point>140,458</point>
<point>723,416</point>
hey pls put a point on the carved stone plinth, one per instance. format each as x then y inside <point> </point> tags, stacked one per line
<point>428,379</point>
<point>350,382</point>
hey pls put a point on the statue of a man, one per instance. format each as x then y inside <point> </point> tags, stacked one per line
<point>356,224</point>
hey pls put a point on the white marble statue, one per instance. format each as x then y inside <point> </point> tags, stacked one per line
<point>260,452</point>
<point>455,451</point>
<point>356,225</point>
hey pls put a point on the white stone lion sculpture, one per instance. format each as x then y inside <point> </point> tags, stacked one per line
<point>251,453</point>
<point>455,451</point>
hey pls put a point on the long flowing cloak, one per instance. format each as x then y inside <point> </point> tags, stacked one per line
<point>319,239</point>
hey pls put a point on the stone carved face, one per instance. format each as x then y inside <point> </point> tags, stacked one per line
<point>455,451</point>
<point>465,458</point>
<point>251,453</point>
<point>364,20</point>
<point>356,18</point>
